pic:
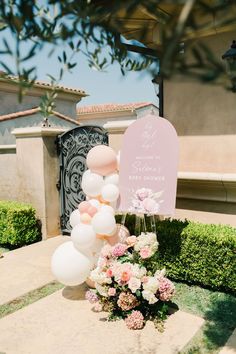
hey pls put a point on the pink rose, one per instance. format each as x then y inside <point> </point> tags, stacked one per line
<point>111,292</point>
<point>145,253</point>
<point>109,273</point>
<point>131,240</point>
<point>125,277</point>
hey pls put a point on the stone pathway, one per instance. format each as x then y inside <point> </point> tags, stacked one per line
<point>64,323</point>
<point>230,346</point>
<point>27,268</point>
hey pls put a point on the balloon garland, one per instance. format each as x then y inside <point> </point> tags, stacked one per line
<point>93,222</point>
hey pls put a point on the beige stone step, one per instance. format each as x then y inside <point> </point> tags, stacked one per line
<point>63,323</point>
<point>27,268</point>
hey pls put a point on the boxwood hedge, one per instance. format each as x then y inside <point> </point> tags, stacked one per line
<point>18,224</point>
<point>195,253</point>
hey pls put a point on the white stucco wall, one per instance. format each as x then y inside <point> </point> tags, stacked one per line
<point>7,126</point>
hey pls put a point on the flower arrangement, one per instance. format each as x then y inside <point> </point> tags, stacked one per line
<point>145,201</point>
<point>127,287</point>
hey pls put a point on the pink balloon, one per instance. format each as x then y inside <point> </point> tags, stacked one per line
<point>102,160</point>
<point>92,211</point>
<point>83,207</point>
<point>85,218</point>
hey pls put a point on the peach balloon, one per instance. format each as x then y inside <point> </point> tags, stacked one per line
<point>83,207</point>
<point>92,211</point>
<point>85,218</point>
<point>102,160</point>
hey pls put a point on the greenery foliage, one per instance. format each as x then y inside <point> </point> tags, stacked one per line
<point>18,224</point>
<point>194,252</point>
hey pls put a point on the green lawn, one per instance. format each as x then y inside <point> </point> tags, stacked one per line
<point>217,308</point>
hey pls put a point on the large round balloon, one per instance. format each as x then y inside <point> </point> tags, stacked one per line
<point>75,218</point>
<point>69,266</point>
<point>102,160</point>
<point>83,237</point>
<point>112,178</point>
<point>104,223</point>
<point>92,184</point>
<point>110,192</point>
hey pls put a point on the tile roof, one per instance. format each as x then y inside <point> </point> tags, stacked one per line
<point>111,107</point>
<point>44,84</point>
<point>30,112</point>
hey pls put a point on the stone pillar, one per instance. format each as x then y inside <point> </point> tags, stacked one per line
<point>38,173</point>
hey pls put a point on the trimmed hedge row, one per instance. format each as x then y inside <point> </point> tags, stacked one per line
<point>194,252</point>
<point>18,224</point>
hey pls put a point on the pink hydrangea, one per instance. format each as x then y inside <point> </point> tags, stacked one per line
<point>111,292</point>
<point>166,289</point>
<point>135,320</point>
<point>145,252</point>
<point>119,250</point>
<point>98,307</point>
<point>91,297</point>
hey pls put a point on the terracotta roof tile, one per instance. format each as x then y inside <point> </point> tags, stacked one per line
<point>111,107</point>
<point>30,112</point>
<point>44,84</point>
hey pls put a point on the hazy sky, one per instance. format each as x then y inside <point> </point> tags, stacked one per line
<point>103,87</point>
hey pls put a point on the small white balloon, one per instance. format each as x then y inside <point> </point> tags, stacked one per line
<point>107,208</point>
<point>113,179</point>
<point>92,184</point>
<point>69,266</point>
<point>104,223</point>
<point>75,218</point>
<point>110,192</point>
<point>95,203</point>
<point>83,237</point>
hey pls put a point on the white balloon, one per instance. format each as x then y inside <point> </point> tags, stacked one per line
<point>107,208</point>
<point>104,223</point>
<point>95,203</point>
<point>86,173</point>
<point>83,237</point>
<point>110,192</point>
<point>69,266</point>
<point>92,184</point>
<point>75,218</point>
<point>113,179</point>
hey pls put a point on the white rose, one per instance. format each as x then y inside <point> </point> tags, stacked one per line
<point>138,272</point>
<point>134,284</point>
<point>101,289</point>
<point>151,285</point>
<point>150,297</point>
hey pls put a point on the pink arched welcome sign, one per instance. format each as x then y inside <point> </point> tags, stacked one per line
<point>148,167</point>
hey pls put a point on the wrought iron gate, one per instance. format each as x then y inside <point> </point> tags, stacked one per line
<point>73,147</point>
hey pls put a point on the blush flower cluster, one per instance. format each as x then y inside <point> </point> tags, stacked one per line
<point>126,285</point>
<point>145,201</point>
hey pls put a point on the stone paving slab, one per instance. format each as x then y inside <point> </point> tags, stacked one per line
<point>230,346</point>
<point>64,323</point>
<point>27,268</point>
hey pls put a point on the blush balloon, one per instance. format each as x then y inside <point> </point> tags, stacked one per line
<point>102,160</point>
<point>83,207</point>
<point>92,211</point>
<point>85,218</point>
